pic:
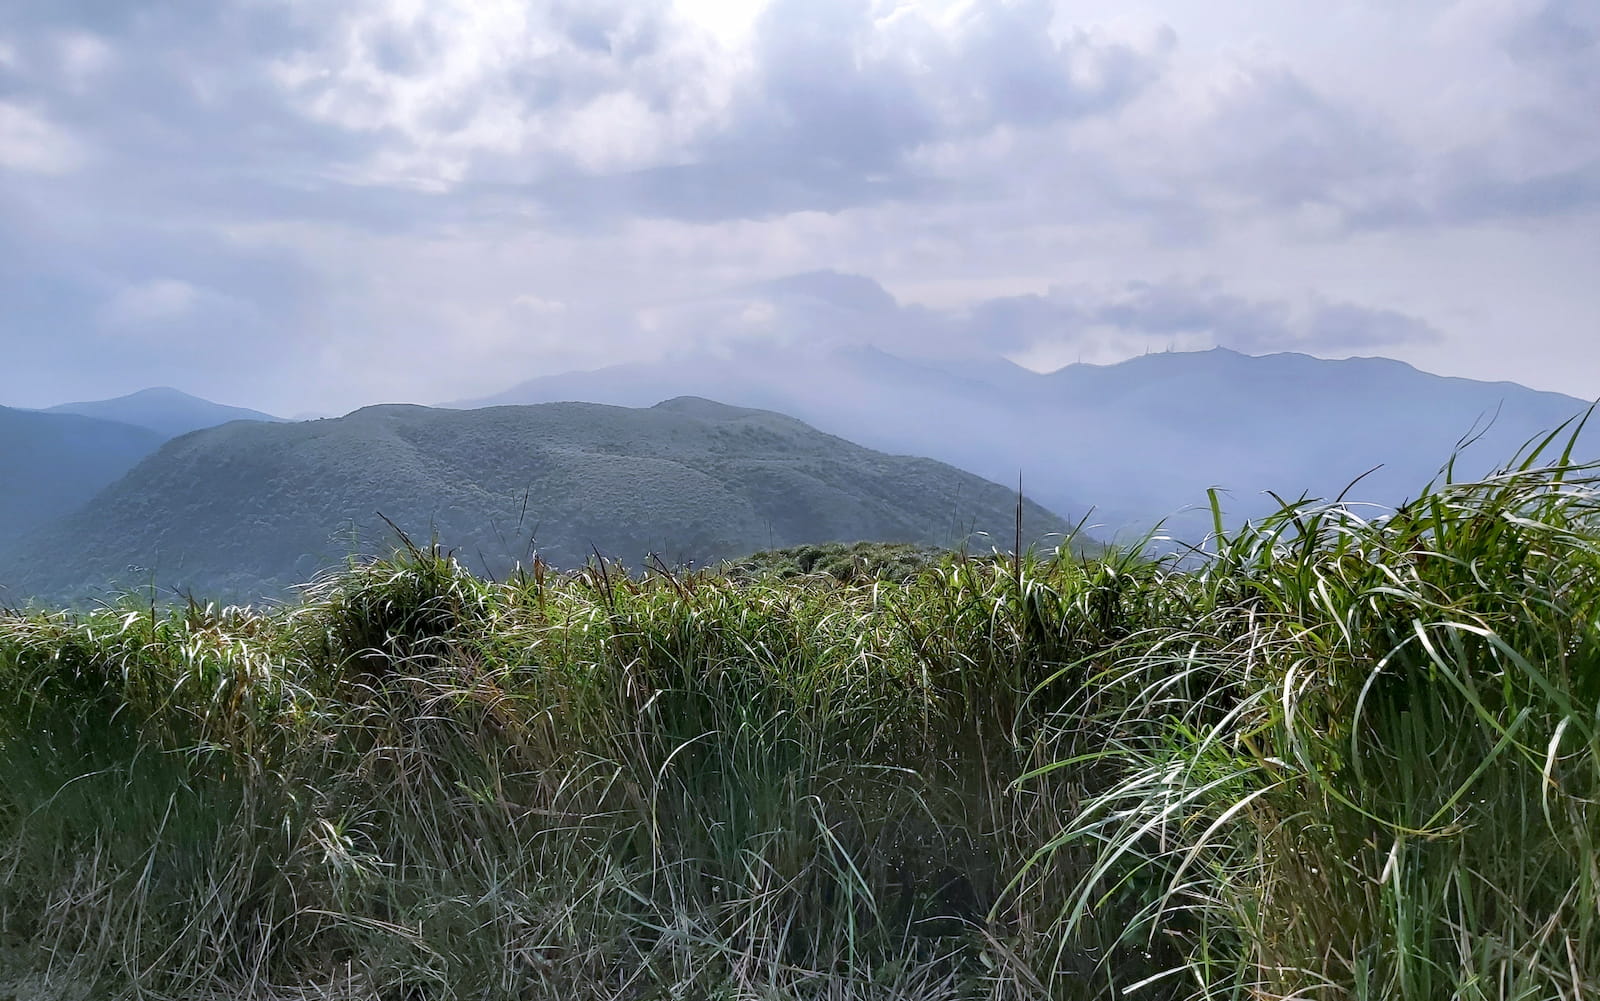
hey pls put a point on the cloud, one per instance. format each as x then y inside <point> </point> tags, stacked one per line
<point>511,187</point>
<point>1546,158</point>
<point>503,91</point>
<point>31,143</point>
<point>823,311</point>
<point>843,98</point>
<point>163,300</point>
<point>539,307</point>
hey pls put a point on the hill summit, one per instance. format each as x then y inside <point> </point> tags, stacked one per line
<point>168,412</point>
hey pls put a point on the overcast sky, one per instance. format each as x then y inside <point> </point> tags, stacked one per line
<point>307,206</point>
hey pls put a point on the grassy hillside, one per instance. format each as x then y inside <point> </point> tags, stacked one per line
<point>53,463</point>
<point>1342,759</point>
<point>857,561</point>
<point>244,510</point>
<point>166,411</point>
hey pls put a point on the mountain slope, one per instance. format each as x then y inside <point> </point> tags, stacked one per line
<point>53,463</point>
<point>1139,440</point>
<point>862,394</point>
<point>244,510</point>
<point>1293,424</point>
<point>166,411</point>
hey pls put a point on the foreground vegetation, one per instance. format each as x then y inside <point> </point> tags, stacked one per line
<point>1336,758</point>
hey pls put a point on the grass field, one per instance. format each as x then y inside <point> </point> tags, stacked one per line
<point>1339,757</point>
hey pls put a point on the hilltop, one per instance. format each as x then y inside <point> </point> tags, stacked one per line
<point>246,510</point>
<point>166,411</point>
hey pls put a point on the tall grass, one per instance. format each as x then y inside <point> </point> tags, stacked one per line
<point>1364,763</point>
<point>427,785</point>
<point>1338,757</point>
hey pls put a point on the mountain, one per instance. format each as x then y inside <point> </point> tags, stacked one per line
<point>1296,425</point>
<point>53,463</point>
<point>967,418</point>
<point>1141,440</point>
<point>245,510</point>
<point>165,411</point>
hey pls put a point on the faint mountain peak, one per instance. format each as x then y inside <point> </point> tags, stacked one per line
<point>164,410</point>
<point>836,288</point>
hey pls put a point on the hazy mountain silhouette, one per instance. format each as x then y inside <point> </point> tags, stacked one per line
<point>164,410</point>
<point>244,510</point>
<point>53,463</point>
<point>1139,440</point>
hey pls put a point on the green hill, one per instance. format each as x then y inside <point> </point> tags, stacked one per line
<point>53,463</point>
<point>246,510</point>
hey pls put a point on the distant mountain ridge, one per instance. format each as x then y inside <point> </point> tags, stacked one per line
<point>54,460</point>
<point>244,510</point>
<point>53,463</point>
<point>164,410</point>
<point>1140,440</point>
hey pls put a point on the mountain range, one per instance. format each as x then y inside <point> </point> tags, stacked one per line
<point>245,510</point>
<point>55,460</point>
<point>246,507</point>
<point>53,463</point>
<point>1140,441</point>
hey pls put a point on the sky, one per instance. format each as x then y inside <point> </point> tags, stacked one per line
<point>307,207</point>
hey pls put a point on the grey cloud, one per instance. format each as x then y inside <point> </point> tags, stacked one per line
<point>720,190</point>
<point>822,95</point>
<point>1342,326</point>
<point>839,100</point>
<point>1557,43</point>
<point>1544,158</point>
<point>1020,74</point>
<point>828,309</point>
<point>1001,147</point>
<point>1478,193</point>
<point>857,293</point>
<point>842,98</point>
<point>1559,37</point>
<point>1279,139</point>
<point>177,103</point>
<point>615,28</point>
<point>1270,141</point>
<point>1015,321</point>
<point>1255,325</point>
<point>1547,157</point>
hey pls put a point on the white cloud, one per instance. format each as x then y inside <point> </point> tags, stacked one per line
<point>507,90</point>
<point>538,306</point>
<point>146,304</point>
<point>31,143</point>
<point>84,58</point>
